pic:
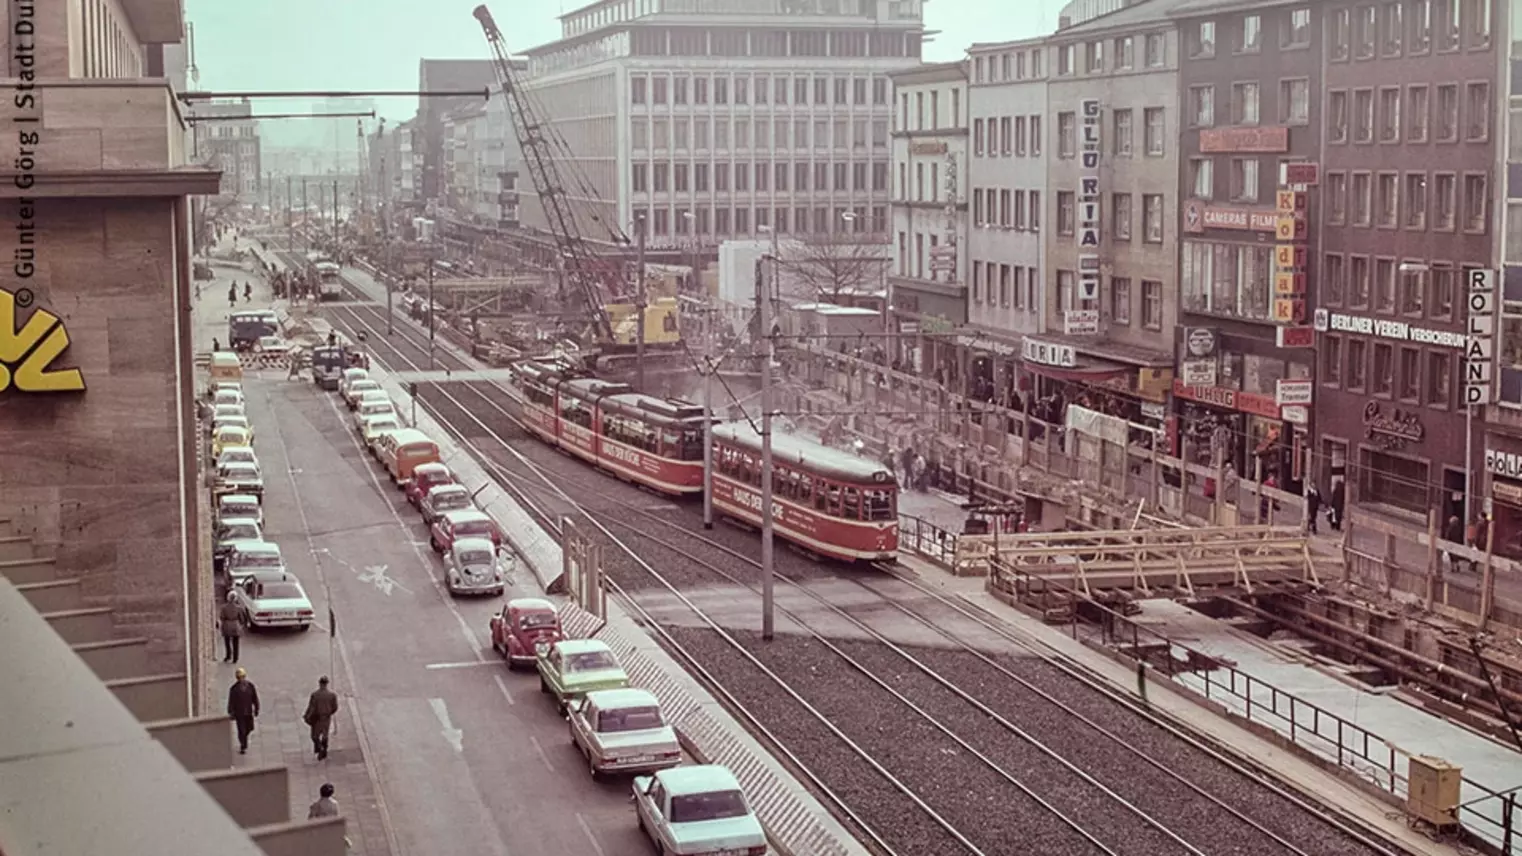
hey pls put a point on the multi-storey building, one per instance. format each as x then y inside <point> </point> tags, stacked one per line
<point>928,273</point>
<point>1111,195</point>
<point>463,158</point>
<point>443,75</point>
<point>709,121</point>
<point>482,161</point>
<point>1006,177</point>
<point>1250,89</point>
<point>227,139</point>
<point>1410,133</point>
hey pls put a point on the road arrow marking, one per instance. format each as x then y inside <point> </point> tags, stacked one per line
<point>376,576</point>
<point>453,736</point>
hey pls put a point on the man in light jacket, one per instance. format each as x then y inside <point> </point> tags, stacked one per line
<point>230,621</point>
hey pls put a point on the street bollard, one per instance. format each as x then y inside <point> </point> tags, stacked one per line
<point>1141,681</point>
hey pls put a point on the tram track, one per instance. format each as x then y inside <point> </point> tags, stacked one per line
<point>1134,807</point>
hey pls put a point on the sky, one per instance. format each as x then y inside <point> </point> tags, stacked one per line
<point>376,44</point>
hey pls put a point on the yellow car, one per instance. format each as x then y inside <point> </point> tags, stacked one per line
<point>229,436</point>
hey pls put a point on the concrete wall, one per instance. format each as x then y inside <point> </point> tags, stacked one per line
<point>96,476</point>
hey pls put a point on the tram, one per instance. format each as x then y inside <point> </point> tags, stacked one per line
<point>827,502</point>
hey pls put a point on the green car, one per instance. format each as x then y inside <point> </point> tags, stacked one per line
<point>571,668</point>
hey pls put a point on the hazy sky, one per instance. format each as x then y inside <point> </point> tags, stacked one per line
<point>376,44</point>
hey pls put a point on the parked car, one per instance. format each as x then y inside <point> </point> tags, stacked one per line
<point>239,506</point>
<point>351,375</point>
<point>372,429</point>
<point>273,345</point>
<point>425,477</point>
<point>251,558</point>
<point>228,420</point>
<point>357,388</point>
<point>525,628</point>
<point>475,566</point>
<point>228,534</point>
<point>373,403</point>
<point>238,455</point>
<point>270,602</point>
<point>461,524</point>
<point>571,668</point>
<point>697,809</point>
<point>228,392</point>
<point>219,411</point>
<point>622,731</point>
<point>443,499</point>
<point>229,436</point>
<point>238,477</point>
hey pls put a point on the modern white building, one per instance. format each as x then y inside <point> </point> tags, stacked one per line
<point>711,118</point>
<point>928,274</point>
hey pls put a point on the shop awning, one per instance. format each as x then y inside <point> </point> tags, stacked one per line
<point>1088,370</point>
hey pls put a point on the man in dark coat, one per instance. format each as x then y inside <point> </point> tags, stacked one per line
<point>243,707</point>
<point>1312,507</point>
<point>230,619</point>
<point>1339,501</point>
<point>321,707</point>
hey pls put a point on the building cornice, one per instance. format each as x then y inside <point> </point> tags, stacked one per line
<point>185,181</point>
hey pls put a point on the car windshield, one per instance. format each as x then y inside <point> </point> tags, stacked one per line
<point>535,620</point>
<point>473,527</point>
<point>383,425</point>
<point>363,386</point>
<point>716,805</point>
<point>369,407</point>
<point>450,498</point>
<point>241,532</point>
<point>590,661</point>
<point>475,557</point>
<point>259,560</point>
<point>629,719</point>
<point>280,591</point>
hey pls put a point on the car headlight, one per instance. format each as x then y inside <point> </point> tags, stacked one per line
<point>541,648</point>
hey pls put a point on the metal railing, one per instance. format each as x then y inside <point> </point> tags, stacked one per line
<point>925,539</point>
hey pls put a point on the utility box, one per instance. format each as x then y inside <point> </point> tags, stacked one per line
<point>1432,790</point>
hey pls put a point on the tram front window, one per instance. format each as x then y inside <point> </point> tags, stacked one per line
<point>692,445</point>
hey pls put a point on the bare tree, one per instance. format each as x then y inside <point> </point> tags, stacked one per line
<point>828,268</point>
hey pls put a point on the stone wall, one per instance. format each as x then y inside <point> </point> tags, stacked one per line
<point>96,476</point>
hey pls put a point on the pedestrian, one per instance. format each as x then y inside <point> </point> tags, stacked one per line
<point>230,617</point>
<point>248,292</point>
<point>919,473</point>
<point>243,707</point>
<point>1339,500</point>
<point>216,345</point>
<point>325,806</point>
<point>1312,507</point>
<point>332,338</point>
<point>294,358</point>
<point>232,295</point>
<point>1453,532</point>
<point>321,707</point>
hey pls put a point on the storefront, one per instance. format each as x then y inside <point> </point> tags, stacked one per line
<point>993,363</point>
<point>1103,377</point>
<point>1503,471</point>
<point>1218,425</point>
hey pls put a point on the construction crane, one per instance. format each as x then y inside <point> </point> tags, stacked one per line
<point>593,280</point>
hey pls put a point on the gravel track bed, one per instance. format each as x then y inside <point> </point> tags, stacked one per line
<point>892,815</point>
<point>1265,805</point>
<point>1189,815</point>
<point>1096,812</point>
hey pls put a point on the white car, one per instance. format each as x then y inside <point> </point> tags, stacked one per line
<point>269,601</point>
<point>230,420</point>
<point>228,409</point>
<point>697,810</point>
<point>373,403</point>
<point>234,531</point>
<point>349,376</point>
<point>238,455</point>
<point>377,427</point>
<point>356,390</point>
<point>240,478</point>
<point>473,566</point>
<point>226,392</point>
<point>272,345</point>
<point>622,731</point>
<point>252,558</point>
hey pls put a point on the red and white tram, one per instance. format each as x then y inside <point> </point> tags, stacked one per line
<point>826,501</point>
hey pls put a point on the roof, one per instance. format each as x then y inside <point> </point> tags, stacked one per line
<point>582,646</point>
<point>430,467</point>
<point>410,435</point>
<point>268,547</point>
<point>626,697</point>
<point>474,543</point>
<point>697,779</point>
<point>931,71</point>
<point>790,449</point>
<point>465,515</point>
<point>1206,7</point>
<point>990,47</point>
<point>1139,14</point>
<point>530,603</point>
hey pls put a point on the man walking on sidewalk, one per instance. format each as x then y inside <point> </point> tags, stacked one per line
<point>321,707</point>
<point>243,707</point>
<point>231,619</point>
<point>325,806</point>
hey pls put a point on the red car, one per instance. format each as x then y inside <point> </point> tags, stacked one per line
<point>426,477</point>
<point>525,625</point>
<point>462,524</point>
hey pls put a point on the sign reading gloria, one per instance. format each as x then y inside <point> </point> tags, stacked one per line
<point>27,352</point>
<point>1048,354</point>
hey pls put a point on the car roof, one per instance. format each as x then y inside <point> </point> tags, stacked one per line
<point>225,429</point>
<point>374,395</point>
<point>256,547</point>
<point>240,521</point>
<point>356,373</point>
<point>447,488</point>
<point>237,404</point>
<point>626,697</point>
<point>465,515</point>
<point>530,604</point>
<point>366,379</point>
<point>474,544</point>
<point>582,646</point>
<point>697,779</point>
<point>431,467</point>
<point>238,499</point>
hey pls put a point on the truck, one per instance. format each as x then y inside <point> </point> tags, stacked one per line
<point>246,328</point>
<point>328,364</point>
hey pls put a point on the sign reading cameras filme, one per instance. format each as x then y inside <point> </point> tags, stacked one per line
<point>1479,346</point>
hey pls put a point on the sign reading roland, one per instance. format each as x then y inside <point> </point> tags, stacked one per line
<point>27,353</point>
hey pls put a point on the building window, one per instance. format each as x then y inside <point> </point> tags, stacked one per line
<point>1201,106</point>
<point>1294,101</point>
<point>1250,35</point>
<point>1363,116</point>
<point>1122,133</point>
<point>1338,47</point>
<point>640,176</point>
<point>1445,201</point>
<point>977,137</point>
<point>1331,360</point>
<point>1202,177</point>
<point>1065,290</point>
<point>1336,198</point>
<point>1202,41</point>
<point>1096,57</point>
<point>1120,300</point>
<point>1393,29</point>
<point>1447,113</point>
<point>1035,211</point>
<point>1337,116</point>
<point>1358,280</point>
<point>1067,135</point>
<point>1362,202</point>
<point>1152,304</point>
<point>1416,200</point>
<point>1153,48</point>
<point>1478,107</point>
<point>1412,285</point>
<point>1334,279</point>
<point>1244,103</point>
<point>637,89</point>
<point>1448,27</point>
<point>1227,279</point>
<point>1365,32</point>
<point>1005,146</point>
<point>1410,387</point>
<point>1065,212</point>
<point>1475,202</point>
<point>1416,113</point>
<point>1152,218</point>
<point>1067,59</point>
<point>1389,115</point>
<point>1356,371</point>
<point>1384,285</point>
<point>1444,280</point>
<point>1244,179</point>
<point>1125,52</point>
<point>1439,379</point>
<point>1389,200</point>
<point>658,85</point>
<point>1153,134</point>
<point>1120,216</point>
<point>1297,29</point>
<point>1383,379</point>
<point>1421,26</point>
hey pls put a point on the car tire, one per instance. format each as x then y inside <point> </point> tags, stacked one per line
<point>434,543</point>
<point>305,627</point>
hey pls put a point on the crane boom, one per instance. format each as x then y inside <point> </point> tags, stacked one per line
<point>593,280</point>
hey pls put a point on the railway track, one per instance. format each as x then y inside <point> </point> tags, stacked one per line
<point>943,747</point>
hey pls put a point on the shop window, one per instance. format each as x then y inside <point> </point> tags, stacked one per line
<point>1410,374</point>
<point>1231,370</point>
<point>1261,375</point>
<point>1331,360</point>
<point>1393,480</point>
<point>1383,379</point>
<point>1439,379</point>
<point>1355,373</point>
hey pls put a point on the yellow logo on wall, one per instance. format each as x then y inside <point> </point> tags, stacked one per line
<point>27,353</point>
